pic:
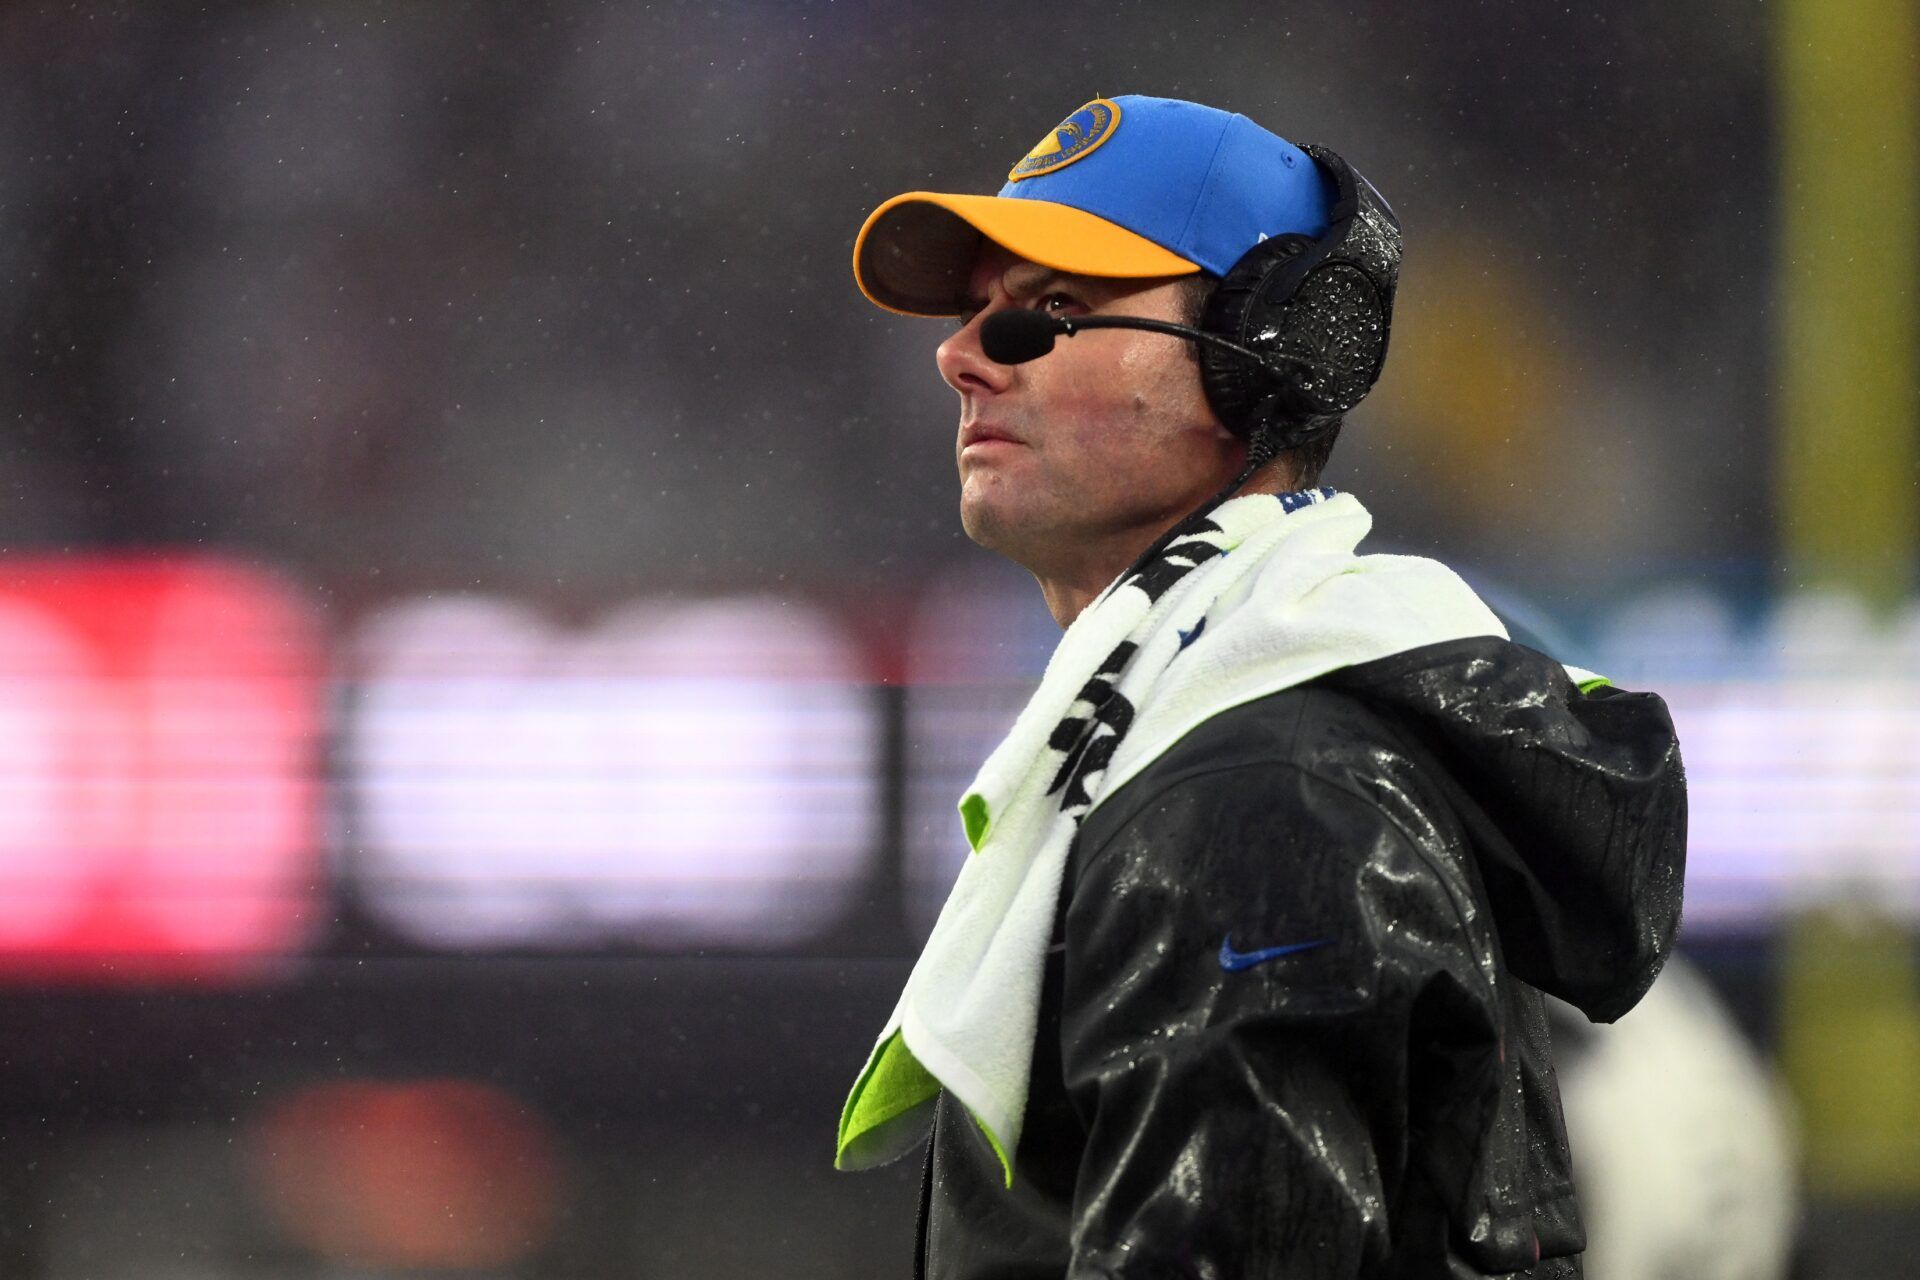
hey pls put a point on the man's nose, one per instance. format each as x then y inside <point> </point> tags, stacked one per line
<point>965,366</point>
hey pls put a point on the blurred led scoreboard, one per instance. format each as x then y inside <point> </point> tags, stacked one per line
<point>195,775</point>
<point>191,781</point>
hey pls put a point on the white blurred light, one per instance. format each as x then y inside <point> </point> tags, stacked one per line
<point>679,773</point>
<point>1804,772</point>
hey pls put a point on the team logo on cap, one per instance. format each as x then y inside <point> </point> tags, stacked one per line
<point>1069,140</point>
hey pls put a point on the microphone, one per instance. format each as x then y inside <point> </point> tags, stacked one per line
<point>1018,335</point>
<point>1015,337</point>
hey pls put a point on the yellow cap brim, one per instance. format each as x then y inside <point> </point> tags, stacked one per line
<point>914,253</point>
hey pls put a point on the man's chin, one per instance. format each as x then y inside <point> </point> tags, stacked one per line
<point>989,524</point>
<point>977,525</point>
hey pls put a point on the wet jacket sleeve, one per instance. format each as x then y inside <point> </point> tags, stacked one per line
<point>1273,993</point>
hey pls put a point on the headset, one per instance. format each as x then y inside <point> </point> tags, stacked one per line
<point>1313,313</point>
<point>1293,336</point>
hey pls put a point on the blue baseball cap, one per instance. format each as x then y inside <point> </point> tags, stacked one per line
<point>1124,187</point>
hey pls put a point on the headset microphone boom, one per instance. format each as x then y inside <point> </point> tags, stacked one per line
<point>1017,336</point>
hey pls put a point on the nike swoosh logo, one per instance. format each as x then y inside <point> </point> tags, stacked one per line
<point>1234,961</point>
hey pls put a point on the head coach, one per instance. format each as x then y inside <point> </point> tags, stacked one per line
<point>1243,976</point>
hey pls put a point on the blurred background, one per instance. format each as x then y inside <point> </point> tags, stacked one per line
<point>488,654</point>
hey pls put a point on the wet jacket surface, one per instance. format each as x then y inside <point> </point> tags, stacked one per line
<point>1292,1025</point>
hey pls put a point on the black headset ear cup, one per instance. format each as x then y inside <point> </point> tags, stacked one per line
<point>1247,306</point>
<point>1338,321</point>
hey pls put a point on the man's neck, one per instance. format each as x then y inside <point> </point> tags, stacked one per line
<point>1066,598</point>
<point>1070,590</point>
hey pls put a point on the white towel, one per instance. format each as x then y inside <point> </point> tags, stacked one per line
<point>1269,594</point>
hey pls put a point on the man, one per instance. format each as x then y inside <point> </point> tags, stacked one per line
<point>1244,975</point>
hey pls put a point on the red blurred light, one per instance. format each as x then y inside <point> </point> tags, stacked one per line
<point>159,724</point>
<point>440,1174</point>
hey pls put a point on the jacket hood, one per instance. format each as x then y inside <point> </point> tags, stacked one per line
<point>1575,803</point>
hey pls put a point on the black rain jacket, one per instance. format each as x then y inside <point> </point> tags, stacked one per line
<point>1421,845</point>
